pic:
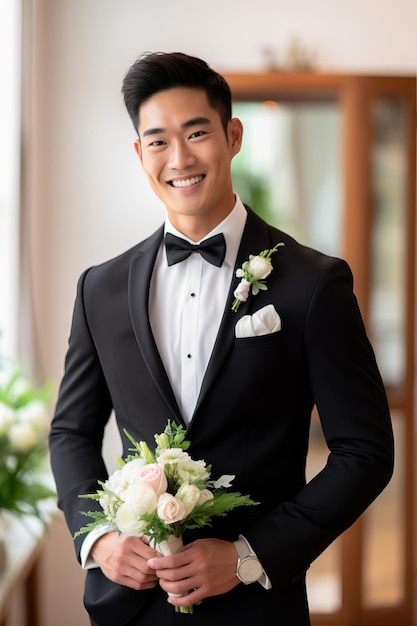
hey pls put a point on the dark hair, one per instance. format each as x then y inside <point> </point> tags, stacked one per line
<point>158,71</point>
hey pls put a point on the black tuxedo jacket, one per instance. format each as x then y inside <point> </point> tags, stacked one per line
<point>252,419</point>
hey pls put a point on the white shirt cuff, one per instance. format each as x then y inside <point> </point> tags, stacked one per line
<point>87,561</point>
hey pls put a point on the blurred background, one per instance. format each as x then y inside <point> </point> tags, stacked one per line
<point>72,195</point>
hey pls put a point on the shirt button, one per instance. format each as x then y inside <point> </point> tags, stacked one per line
<point>188,356</point>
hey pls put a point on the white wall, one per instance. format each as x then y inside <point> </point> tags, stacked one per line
<point>89,200</point>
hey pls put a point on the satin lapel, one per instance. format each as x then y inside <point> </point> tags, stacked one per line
<point>255,239</point>
<point>139,282</point>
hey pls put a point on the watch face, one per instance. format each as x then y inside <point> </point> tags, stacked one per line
<point>250,570</point>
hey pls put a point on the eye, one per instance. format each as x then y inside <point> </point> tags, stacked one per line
<point>197,133</point>
<point>156,143</point>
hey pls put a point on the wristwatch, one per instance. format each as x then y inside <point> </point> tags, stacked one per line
<point>249,569</point>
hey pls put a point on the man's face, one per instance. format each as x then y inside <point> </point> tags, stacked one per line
<point>187,156</point>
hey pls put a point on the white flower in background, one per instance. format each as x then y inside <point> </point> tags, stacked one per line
<point>6,418</point>
<point>24,426</point>
<point>34,413</point>
<point>22,437</point>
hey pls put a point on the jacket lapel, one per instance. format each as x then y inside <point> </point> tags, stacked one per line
<point>256,237</point>
<point>138,296</point>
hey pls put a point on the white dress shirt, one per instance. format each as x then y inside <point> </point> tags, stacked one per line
<point>184,315</point>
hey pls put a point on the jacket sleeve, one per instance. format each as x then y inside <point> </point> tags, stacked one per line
<point>82,411</point>
<point>352,405</point>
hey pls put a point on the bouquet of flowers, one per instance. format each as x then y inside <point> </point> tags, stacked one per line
<point>160,494</point>
<point>24,427</point>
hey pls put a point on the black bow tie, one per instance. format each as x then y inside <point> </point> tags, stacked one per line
<point>212,249</point>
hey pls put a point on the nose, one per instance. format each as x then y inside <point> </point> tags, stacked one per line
<point>181,155</point>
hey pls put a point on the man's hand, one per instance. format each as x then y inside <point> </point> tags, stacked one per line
<point>124,560</point>
<point>206,567</point>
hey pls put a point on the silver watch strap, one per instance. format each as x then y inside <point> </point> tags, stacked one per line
<point>243,550</point>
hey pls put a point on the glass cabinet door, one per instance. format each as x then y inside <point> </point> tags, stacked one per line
<point>384,579</point>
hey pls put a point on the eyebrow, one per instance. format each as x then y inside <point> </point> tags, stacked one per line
<point>195,121</point>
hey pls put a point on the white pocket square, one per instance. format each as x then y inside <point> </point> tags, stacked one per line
<point>263,322</point>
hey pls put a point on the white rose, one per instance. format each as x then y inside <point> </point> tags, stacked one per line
<point>128,522</point>
<point>117,483</point>
<point>34,413</point>
<point>259,267</point>
<point>170,509</point>
<point>22,437</point>
<point>130,470</point>
<point>191,471</point>
<point>242,290</point>
<point>139,499</point>
<point>189,495</point>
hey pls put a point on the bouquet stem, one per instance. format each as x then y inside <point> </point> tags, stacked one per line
<point>173,545</point>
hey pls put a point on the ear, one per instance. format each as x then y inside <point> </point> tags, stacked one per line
<point>138,149</point>
<point>235,135</point>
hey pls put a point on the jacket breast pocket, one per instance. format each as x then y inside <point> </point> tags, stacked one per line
<point>260,342</point>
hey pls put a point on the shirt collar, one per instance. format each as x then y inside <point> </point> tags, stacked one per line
<point>232,228</point>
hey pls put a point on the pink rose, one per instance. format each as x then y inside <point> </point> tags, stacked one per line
<point>242,290</point>
<point>205,496</point>
<point>170,509</point>
<point>154,476</point>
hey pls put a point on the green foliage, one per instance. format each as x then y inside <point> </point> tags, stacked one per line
<point>23,445</point>
<point>222,503</point>
<point>99,518</point>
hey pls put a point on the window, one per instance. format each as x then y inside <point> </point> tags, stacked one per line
<point>10,24</point>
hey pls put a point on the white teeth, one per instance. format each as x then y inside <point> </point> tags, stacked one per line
<point>188,182</point>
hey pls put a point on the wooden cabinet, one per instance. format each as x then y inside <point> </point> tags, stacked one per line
<point>333,158</point>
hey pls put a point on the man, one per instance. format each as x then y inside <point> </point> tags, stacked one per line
<point>155,339</point>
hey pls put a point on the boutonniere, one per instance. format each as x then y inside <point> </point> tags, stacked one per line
<point>253,273</point>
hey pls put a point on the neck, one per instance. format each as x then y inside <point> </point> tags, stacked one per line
<point>196,227</point>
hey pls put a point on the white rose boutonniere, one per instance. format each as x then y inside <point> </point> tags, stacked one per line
<point>253,274</point>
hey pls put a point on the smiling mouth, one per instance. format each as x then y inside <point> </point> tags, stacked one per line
<point>187,182</point>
